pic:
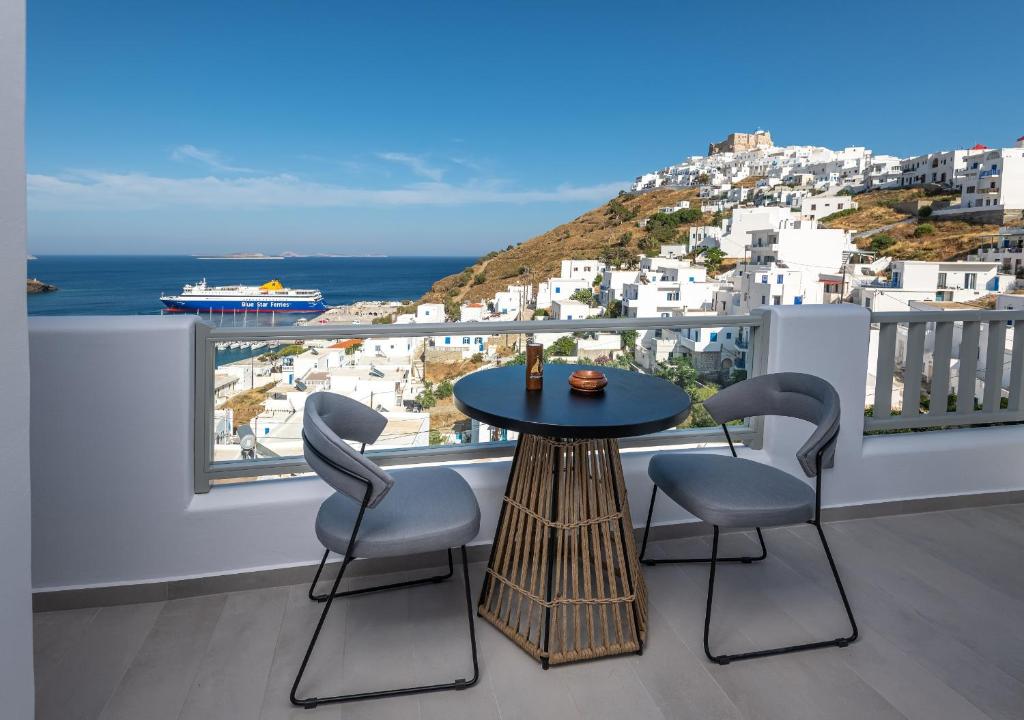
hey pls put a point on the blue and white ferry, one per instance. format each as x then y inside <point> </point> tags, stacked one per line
<point>267,298</point>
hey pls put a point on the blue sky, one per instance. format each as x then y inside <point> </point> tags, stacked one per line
<point>456,128</point>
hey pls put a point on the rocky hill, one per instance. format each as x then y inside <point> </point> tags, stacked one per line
<point>611,229</point>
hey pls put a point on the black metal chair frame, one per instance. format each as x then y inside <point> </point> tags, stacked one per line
<point>714,560</point>
<point>328,599</point>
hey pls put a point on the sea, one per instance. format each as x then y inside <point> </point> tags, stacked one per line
<point>132,284</point>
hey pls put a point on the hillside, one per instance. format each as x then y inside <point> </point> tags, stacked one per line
<point>905,237</point>
<point>537,259</point>
<point>612,229</point>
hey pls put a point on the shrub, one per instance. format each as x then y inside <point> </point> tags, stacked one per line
<point>480,279</point>
<point>882,242</point>
<point>443,390</point>
<point>563,346</point>
<point>540,312</point>
<point>585,295</point>
<point>383,320</point>
<point>924,229</point>
<point>925,212</point>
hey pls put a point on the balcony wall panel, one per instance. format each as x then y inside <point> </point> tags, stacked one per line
<point>112,455</point>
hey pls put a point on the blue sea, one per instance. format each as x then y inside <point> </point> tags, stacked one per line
<point>132,284</point>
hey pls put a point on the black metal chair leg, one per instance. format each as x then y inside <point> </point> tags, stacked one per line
<point>838,642</point>
<point>460,684</point>
<point>746,559</point>
<point>377,588</point>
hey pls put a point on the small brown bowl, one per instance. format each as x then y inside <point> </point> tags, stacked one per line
<point>588,381</point>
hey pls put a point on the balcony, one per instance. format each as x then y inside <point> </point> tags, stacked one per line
<point>151,596</point>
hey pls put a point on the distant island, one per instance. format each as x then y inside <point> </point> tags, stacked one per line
<point>36,287</point>
<point>241,256</point>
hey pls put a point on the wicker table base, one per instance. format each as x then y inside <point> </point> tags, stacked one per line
<point>563,581</point>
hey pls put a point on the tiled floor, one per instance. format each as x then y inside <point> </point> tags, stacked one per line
<point>939,598</point>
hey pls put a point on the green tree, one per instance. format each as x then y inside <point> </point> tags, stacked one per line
<point>713,259</point>
<point>584,295</point>
<point>452,309</point>
<point>679,371</point>
<point>436,438</point>
<point>426,399</point>
<point>628,339</point>
<point>563,346</point>
<point>924,229</point>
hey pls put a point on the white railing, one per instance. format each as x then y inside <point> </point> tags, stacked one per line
<point>958,368</point>
<point>209,471</point>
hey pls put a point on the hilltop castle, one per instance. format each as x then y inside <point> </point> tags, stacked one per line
<point>740,142</point>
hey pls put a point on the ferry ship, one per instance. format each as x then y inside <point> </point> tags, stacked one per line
<point>266,298</point>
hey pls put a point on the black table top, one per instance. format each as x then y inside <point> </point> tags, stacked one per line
<point>631,404</point>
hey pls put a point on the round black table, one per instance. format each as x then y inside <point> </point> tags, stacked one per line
<point>563,580</point>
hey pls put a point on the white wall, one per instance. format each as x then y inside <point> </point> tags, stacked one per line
<point>16,680</point>
<point>115,505</point>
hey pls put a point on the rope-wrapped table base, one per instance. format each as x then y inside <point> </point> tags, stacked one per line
<point>564,582</point>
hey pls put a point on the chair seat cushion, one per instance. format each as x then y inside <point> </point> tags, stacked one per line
<point>429,508</point>
<point>732,492</point>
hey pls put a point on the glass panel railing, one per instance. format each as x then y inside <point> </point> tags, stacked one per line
<point>259,385</point>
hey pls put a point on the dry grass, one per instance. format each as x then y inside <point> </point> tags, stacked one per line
<point>747,182</point>
<point>866,219</point>
<point>952,240</point>
<point>541,256</point>
<point>248,404</point>
<point>437,371</point>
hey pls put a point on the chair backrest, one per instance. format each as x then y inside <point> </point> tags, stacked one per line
<point>787,394</point>
<point>327,422</point>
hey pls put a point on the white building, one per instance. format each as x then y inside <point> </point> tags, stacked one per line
<point>931,281</point>
<point>994,180</point>
<point>559,289</point>
<point>815,207</point>
<point>585,270</point>
<point>1006,248</point>
<point>567,309</point>
<point>884,171</point>
<point>937,168</point>
<point>430,313</point>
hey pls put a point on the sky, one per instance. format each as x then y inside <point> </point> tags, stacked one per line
<point>455,128</point>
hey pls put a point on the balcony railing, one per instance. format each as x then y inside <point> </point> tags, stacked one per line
<point>213,434</point>
<point>934,351</point>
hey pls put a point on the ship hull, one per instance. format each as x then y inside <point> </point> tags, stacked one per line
<point>255,305</point>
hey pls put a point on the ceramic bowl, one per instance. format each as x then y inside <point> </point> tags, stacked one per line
<point>588,381</point>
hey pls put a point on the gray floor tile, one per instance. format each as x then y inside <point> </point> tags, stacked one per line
<point>80,684</point>
<point>159,678</point>
<point>232,677</point>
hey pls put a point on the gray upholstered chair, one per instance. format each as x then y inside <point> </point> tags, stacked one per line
<point>733,492</point>
<point>375,514</point>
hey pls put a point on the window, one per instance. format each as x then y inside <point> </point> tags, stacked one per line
<point>728,336</point>
<point>558,290</point>
<point>798,300</point>
<point>778,279</point>
<point>764,279</point>
<point>941,281</point>
<point>714,337</point>
<point>447,340</point>
<point>971,281</point>
<point>696,334</point>
<point>465,340</point>
<point>776,300</point>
